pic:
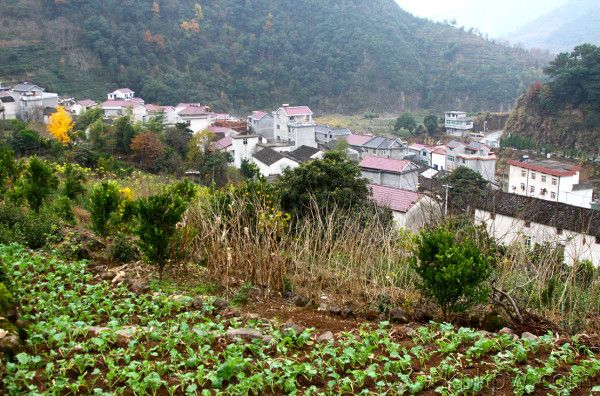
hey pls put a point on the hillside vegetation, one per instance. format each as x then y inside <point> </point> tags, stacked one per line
<point>563,114</point>
<point>334,56</point>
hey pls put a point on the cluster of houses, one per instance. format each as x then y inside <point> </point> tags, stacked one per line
<point>542,202</point>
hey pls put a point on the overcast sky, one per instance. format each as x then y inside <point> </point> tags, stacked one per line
<point>495,17</point>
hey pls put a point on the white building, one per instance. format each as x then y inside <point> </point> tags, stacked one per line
<point>475,156</point>
<point>195,115</point>
<point>8,106</point>
<point>121,93</point>
<point>457,123</point>
<point>388,172</point>
<point>123,102</point>
<point>410,209</point>
<point>384,147</point>
<point>82,105</point>
<point>550,180</point>
<point>432,156</point>
<point>523,221</point>
<point>272,163</point>
<point>31,101</point>
<point>295,124</point>
<point>261,123</point>
<point>325,134</point>
<point>243,147</point>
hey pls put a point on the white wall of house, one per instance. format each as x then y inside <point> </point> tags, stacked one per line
<point>242,148</point>
<point>263,127</point>
<point>508,230</point>
<point>438,161</point>
<point>522,181</point>
<point>303,135</point>
<point>197,124</point>
<point>406,181</point>
<point>418,216</point>
<point>276,168</point>
<point>10,110</point>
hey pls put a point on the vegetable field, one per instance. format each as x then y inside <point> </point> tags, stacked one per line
<point>86,336</point>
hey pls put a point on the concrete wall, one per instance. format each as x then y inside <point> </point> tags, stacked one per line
<point>275,169</point>
<point>509,231</point>
<point>407,181</point>
<point>243,149</point>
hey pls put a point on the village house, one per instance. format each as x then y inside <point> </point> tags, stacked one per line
<point>324,134</point>
<point>431,156</point>
<point>8,106</point>
<point>526,222</point>
<point>196,116</point>
<point>31,101</point>
<point>261,123</point>
<point>410,209</point>
<point>384,147</point>
<point>121,94</point>
<point>123,102</point>
<point>457,123</point>
<point>272,163</point>
<point>550,180</point>
<point>295,125</point>
<point>243,147</point>
<point>475,156</point>
<point>388,172</point>
<point>81,106</point>
<point>306,153</point>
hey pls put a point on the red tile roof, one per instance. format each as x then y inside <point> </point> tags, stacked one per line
<point>123,103</point>
<point>298,110</point>
<point>553,168</point>
<point>394,198</point>
<point>156,108</point>
<point>193,110</point>
<point>87,102</point>
<point>441,150</point>
<point>124,90</point>
<point>258,115</point>
<point>385,164</point>
<point>358,140</point>
<point>220,129</point>
<point>223,143</point>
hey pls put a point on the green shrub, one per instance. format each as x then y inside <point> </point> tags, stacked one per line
<point>103,203</point>
<point>585,273</point>
<point>123,249</point>
<point>158,216</point>
<point>454,273</point>
<point>6,300</point>
<point>29,228</point>
<point>74,179</point>
<point>184,189</point>
<point>63,209</point>
<point>39,182</point>
<point>9,168</point>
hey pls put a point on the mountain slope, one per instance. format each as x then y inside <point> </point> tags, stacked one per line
<point>572,24</point>
<point>334,55</point>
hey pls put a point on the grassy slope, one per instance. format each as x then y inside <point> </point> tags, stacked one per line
<point>177,349</point>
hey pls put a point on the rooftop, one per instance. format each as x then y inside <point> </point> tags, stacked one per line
<point>268,156</point>
<point>297,110</point>
<point>26,87</point>
<point>454,144</point>
<point>222,144</point>
<point>124,91</point>
<point>394,198</point>
<point>381,142</point>
<point>304,153</point>
<point>385,164</point>
<point>358,140</point>
<point>549,167</point>
<point>122,103</point>
<point>194,110</point>
<point>258,115</point>
<point>87,102</point>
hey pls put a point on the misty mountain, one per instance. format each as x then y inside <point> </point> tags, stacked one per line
<point>345,56</point>
<point>572,24</point>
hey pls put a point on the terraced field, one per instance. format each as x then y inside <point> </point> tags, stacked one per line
<point>86,336</point>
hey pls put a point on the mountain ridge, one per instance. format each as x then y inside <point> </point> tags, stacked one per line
<point>341,56</point>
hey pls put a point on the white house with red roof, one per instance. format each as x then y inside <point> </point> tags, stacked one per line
<point>261,123</point>
<point>475,156</point>
<point>197,116</point>
<point>389,172</point>
<point>82,105</point>
<point>410,209</point>
<point>121,93</point>
<point>295,124</point>
<point>549,180</point>
<point>123,102</point>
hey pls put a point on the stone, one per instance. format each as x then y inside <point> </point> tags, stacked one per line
<point>335,310</point>
<point>108,275</point>
<point>244,334</point>
<point>301,301</point>
<point>398,315</point>
<point>198,303</point>
<point>77,348</point>
<point>95,331</point>
<point>293,327</point>
<point>119,277</point>
<point>125,335</point>
<point>220,304</point>
<point>250,316</point>
<point>528,336</point>
<point>10,343</point>
<point>506,330</point>
<point>138,286</point>
<point>409,331</point>
<point>325,337</point>
<point>346,312</point>
<point>3,333</point>
<point>485,333</point>
<point>230,313</point>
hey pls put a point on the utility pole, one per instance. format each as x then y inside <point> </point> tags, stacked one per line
<point>447,187</point>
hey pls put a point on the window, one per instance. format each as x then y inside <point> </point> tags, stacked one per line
<point>559,231</point>
<point>554,181</point>
<point>598,240</point>
<point>523,173</point>
<point>527,241</point>
<point>543,191</point>
<point>553,195</point>
<point>543,179</point>
<point>528,224</point>
<point>463,161</point>
<point>533,175</point>
<point>523,186</point>
<point>450,158</point>
<point>532,189</point>
<point>245,141</point>
<point>278,127</point>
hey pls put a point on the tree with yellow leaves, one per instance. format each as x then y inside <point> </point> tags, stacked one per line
<point>60,124</point>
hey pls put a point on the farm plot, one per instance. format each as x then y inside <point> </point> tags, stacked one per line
<point>89,337</point>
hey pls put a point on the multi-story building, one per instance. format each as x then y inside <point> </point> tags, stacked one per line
<point>384,147</point>
<point>31,101</point>
<point>391,172</point>
<point>295,124</point>
<point>457,123</point>
<point>325,134</point>
<point>549,180</point>
<point>475,156</point>
<point>261,123</point>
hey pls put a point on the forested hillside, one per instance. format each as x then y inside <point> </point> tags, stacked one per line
<point>333,55</point>
<point>575,23</point>
<point>563,114</point>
